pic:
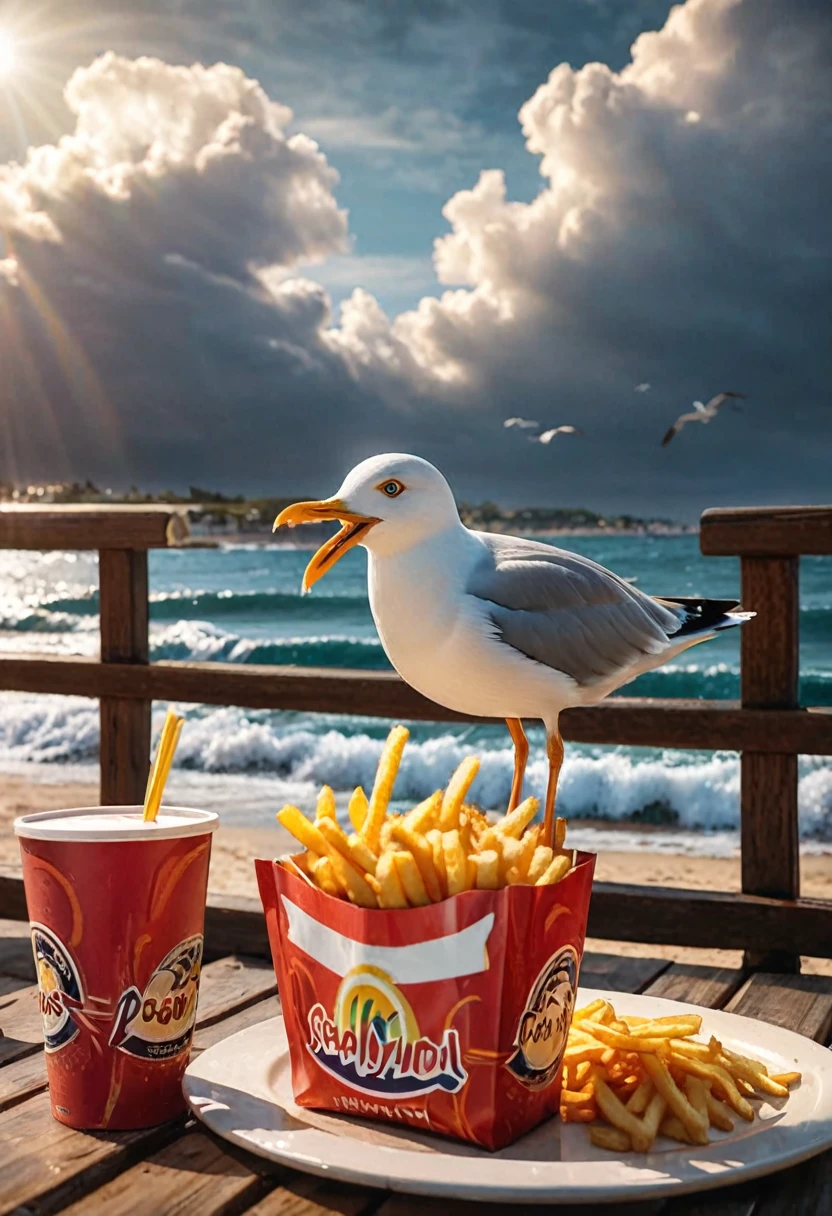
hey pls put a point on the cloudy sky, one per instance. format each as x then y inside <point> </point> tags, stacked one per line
<point>245,243</point>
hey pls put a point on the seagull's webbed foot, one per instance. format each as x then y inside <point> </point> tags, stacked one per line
<point>521,755</point>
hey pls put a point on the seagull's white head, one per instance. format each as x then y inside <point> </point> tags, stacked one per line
<point>388,504</point>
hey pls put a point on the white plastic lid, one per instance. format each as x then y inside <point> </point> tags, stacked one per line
<point>109,823</point>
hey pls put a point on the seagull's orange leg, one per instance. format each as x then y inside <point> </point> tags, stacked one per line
<point>521,755</point>
<point>554,750</point>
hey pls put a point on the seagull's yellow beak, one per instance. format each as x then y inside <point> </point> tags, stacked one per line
<point>353,527</point>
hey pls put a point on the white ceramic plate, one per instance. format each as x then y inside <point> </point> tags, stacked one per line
<point>241,1088</point>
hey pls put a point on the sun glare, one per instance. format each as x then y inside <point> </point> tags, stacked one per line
<point>7,54</point>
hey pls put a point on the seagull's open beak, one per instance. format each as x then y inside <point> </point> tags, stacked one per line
<point>353,527</point>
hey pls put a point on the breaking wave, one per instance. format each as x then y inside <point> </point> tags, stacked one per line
<point>689,792</point>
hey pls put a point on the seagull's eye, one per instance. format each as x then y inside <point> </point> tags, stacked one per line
<point>391,488</point>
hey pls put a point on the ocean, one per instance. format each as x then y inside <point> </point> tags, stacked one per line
<point>241,603</point>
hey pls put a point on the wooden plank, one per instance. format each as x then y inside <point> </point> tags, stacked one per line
<point>125,722</point>
<point>707,986</point>
<point>304,1195</point>
<point>763,531</point>
<point>235,922</point>
<point>47,1165</point>
<point>21,1024</point>
<point>416,1205</point>
<point>80,526</point>
<point>618,912</point>
<point>16,958</point>
<point>797,1002</point>
<point>12,895</point>
<point>674,915</point>
<point>805,1190</point>
<point>631,721</point>
<point>193,1174</point>
<point>770,667</point>
<point>620,972</point>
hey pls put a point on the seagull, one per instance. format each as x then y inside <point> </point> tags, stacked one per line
<point>700,413</point>
<point>525,424</point>
<point>548,436</point>
<point>644,387</point>
<point>491,625</point>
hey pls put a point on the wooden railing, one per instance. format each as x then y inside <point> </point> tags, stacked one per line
<point>769,920</point>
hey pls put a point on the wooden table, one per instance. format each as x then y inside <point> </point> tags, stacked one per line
<point>182,1168</point>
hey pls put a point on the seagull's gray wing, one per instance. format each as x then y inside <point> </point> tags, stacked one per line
<point>568,612</point>
<point>715,402</point>
<point>681,421</point>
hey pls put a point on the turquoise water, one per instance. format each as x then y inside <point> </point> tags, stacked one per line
<point>242,604</point>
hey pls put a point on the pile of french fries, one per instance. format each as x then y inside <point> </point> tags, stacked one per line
<point>439,849</point>
<point>646,1078</point>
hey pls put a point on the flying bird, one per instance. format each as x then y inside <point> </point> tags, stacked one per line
<point>525,424</point>
<point>492,625</point>
<point>548,436</point>
<point>700,413</point>
<point>644,387</point>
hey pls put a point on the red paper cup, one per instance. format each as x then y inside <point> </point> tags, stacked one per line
<point>450,1018</point>
<point>117,910</point>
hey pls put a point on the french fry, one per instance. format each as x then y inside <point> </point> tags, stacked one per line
<point>354,885</point>
<point>722,1079</point>
<point>614,1110</point>
<point>424,816</point>
<point>719,1114</point>
<point>578,1114</point>
<point>640,1098</point>
<point>611,1138</point>
<point>456,862</point>
<point>695,1124</point>
<point>514,855</point>
<point>743,1069</point>
<point>515,823</point>
<point>388,827</point>
<point>434,838</point>
<point>454,796</point>
<point>410,878</point>
<point>388,887</point>
<point>581,1015</point>
<point>324,876</point>
<point>560,833</point>
<point>541,860</point>
<point>388,766</point>
<point>667,1028</point>
<point>423,856</point>
<point>673,1127</point>
<point>307,833</point>
<point>557,870</point>
<point>352,847</point>
<point>570,1097</point>
<point>325,808</point>
<point>357,808</point>
<point>787,1078</point>
<point>488,870</point>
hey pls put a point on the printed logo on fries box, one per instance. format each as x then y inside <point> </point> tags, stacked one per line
<point>450,1018</point>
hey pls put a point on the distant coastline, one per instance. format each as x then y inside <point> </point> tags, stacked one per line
<point>217,517</point>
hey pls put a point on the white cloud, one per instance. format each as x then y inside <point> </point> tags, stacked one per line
<point>197,155</point>
<point>173,224</point>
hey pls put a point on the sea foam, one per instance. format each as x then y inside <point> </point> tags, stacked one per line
<point>685,791</point>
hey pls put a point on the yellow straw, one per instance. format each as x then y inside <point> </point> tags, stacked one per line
<point>161,764</point>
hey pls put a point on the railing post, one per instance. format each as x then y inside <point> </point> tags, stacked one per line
<point>770,671</point>
<point>125,722</point>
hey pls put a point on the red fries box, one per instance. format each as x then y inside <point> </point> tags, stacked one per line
<point>450,1018</point>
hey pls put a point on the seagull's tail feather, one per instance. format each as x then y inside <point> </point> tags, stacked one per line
<point>703,618</point>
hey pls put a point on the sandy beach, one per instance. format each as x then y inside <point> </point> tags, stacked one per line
<point>232,872</point>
